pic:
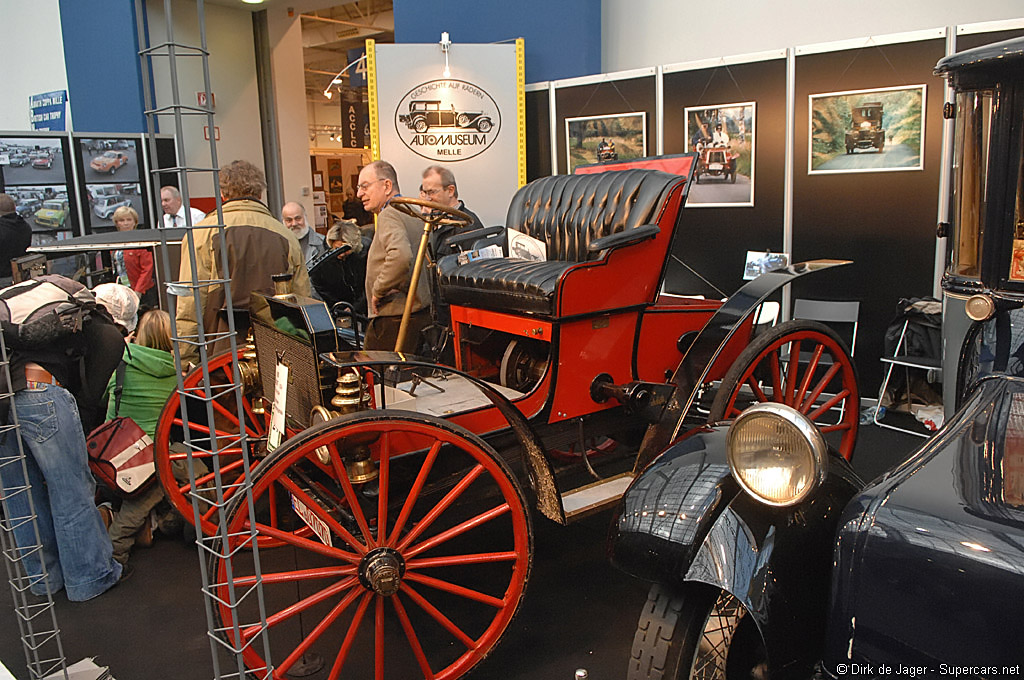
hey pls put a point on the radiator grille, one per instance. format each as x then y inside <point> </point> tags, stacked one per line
<point>304,385</point>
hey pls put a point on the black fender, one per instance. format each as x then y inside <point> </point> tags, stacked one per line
<point>685,520</point>
<point>693,369</point>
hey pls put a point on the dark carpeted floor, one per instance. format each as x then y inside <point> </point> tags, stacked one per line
<point>578,611</point>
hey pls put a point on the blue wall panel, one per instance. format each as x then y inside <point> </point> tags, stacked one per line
<point>102,57</point>
<point>563,38</point>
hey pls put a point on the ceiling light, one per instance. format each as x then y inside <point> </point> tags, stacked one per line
<point>337,79</point>
<point>253,2</point>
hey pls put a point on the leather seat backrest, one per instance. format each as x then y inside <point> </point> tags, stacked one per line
<point>567,212</point>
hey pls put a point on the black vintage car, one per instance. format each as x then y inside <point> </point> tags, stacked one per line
<point>771,559</point>
<point>866,129</point>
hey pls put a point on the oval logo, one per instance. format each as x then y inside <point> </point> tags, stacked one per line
<point>447,120</point>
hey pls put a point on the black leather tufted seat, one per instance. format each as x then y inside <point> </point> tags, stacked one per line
<point>581,218</point>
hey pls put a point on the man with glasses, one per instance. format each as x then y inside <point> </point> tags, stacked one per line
<point>389,263</point>
<point>439,187</point>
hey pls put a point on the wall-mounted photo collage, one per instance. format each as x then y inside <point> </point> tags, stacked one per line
<point>110,168</point>
<point>34,172</point>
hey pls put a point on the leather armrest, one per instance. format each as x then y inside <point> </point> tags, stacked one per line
<point>465,237</point>
<point>624,238</point>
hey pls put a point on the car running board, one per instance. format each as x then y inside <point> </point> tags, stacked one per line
<point>594,497</point>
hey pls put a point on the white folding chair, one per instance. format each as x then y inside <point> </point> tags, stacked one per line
<point>900,358</point>
<point>840,315</point>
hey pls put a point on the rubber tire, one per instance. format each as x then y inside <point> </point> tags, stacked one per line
<point>483,125</point>
<point>731,380</point>
<point>669,628</point>
<point>420,125</point>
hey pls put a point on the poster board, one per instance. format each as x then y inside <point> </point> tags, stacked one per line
<point>471,121</point>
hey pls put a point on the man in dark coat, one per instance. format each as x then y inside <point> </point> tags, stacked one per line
<point>15,236</point>
<point>438,185</point>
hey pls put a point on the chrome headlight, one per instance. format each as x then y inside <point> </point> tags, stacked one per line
<point>776,454</point>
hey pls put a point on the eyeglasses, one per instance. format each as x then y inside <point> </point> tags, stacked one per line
<point>366,185</point>
<point>432,192</point>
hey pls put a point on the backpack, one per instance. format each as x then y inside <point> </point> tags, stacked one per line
<point>42,310</point>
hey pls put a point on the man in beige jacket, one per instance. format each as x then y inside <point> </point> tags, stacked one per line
<point>258,247</point>
<point>389,263</point>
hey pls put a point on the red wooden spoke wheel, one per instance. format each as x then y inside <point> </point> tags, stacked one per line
<point>822,384</point>
<point>416,574</point>
<point>226,428</point>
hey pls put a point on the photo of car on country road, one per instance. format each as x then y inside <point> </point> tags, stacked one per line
<point>723,138</point>
<point>867,130</point>
<point>603,139</point>
<point>107,160</point>
<point>32,160</point>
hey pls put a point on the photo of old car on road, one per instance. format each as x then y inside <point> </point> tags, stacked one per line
<point>103,158</point>
<point>867,130</point>
<point>723,135</point>
<point>604,139</point>
<point>428,114</point>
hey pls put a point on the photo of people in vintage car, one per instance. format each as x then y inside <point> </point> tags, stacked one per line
<point>867,130</point>
<point>31,160</point>
<point>723,135</point>
<point>110,160</point>
<point>602,139</point>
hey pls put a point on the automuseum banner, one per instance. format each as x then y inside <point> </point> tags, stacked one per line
<point>460,110</point>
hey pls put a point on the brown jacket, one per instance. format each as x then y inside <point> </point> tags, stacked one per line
<point>258,246</point>
<point>389,264</point>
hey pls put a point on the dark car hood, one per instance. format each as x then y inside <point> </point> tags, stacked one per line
<point>932,554</point>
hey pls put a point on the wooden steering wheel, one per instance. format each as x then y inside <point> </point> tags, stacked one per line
<point>440,214</point>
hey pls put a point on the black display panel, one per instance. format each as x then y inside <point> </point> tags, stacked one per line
<point>612,97</point>
<point>882,220</point>
<point>714,241</point>
<point>113,174</point>
<point>538,135</point>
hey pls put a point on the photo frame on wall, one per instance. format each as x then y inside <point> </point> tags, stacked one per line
<point>879,130</point>
<point>602,139</point>
<point>723,136</point>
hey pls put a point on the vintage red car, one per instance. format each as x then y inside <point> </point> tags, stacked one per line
<point>717,161</point>
<point>393,517</point>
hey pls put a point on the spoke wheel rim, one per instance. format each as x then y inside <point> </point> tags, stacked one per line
<point>256,426</point>
<point>829,371</point>
<point>711,656</point>
<point>374,579</point>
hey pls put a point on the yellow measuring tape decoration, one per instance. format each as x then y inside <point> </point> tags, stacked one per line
<point>371,92</point>
<point>521,106</point>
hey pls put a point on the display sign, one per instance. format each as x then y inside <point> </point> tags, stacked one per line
<point>47,110</point>
<point>460,110</point>
<point>353,120</point>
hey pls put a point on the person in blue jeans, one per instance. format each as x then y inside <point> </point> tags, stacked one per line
<point>75,548</point>
<point>58,373</point>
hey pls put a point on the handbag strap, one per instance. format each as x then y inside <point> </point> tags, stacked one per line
<point>119,386</point>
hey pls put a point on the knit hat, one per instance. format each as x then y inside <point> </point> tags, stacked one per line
<point>121,301</point>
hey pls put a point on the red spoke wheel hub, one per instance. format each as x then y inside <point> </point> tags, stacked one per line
<point>415,574</point>
<point>802,364</point>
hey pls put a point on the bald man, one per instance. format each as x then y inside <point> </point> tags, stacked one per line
<point>293,215</point>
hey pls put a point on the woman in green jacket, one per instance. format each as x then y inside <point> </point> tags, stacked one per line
<point>149,378</point>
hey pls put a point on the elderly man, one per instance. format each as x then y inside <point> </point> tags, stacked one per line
<point>389,263</point>
<point>258,247</point>
<point>438,185</point>
<point>174,210</point>
<point>294,217</point>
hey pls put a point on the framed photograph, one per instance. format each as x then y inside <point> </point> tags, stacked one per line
<point>104,199</point>
<point>759,262</point>
<point>867,130</point>
<point>32,160</point>
<point>723,136</point>
<point>318,181</point>
<point>602,139</point>
<point>109,160</point>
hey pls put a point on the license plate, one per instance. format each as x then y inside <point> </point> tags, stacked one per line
<point>319,527</point>
<point>716,166</point>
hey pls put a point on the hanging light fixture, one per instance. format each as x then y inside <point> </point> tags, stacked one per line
<point>336,80</point>
<point>446,44</point>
